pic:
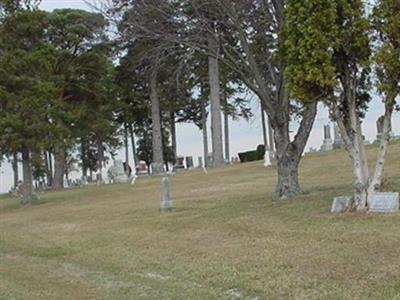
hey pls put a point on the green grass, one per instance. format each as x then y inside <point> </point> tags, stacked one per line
<point>226,240</point>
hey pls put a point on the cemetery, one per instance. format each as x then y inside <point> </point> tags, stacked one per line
<point>192,149</point>
<point>112,242</point>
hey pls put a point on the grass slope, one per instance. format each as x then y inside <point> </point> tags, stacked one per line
<point>226,240</point>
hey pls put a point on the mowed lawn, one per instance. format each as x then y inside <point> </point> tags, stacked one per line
<point>226,240</point>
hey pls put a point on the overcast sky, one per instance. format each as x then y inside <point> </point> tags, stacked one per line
<point>244,135</point>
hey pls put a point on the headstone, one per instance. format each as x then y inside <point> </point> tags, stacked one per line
<point>384,203</point>
<point>116,173</point>
<point>338,141</point>
<point>189,162</point>
<point>200,162</point>
<point>142,168</point>
<point>267,160</point>
<point>166,200</point>
<point>180,162</point>
<point>341,204</point>
<point>328,143</point>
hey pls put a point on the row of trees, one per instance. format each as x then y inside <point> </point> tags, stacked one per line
<point>292,54</point>
<point>68,93</point>
<point>170,59</point>
<point>335,53</point>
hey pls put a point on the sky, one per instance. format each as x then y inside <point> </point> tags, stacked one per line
<point>244,136</point>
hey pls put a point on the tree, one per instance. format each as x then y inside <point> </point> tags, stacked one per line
<point>387,59</point>
<point>26,92</point>
<point>74,34</point>
<point>328,59</point>
<point>252,54</point>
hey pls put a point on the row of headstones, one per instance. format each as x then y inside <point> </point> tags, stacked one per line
<point>328,143</point>
<point>380,203</point>
<point>337,142</point>
<point>180,162</point>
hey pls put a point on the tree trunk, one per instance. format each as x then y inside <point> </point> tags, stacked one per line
<point>227,142</point>
<point>216,123</point>
<point>264,128</point>
<point>135,158</point>
<point>204,130</point>
<point>84,159</point>
<point>100,160</point>
<point>15,169</point>
<point>349,124</point>
<point>173,137</point>
<point>59,169</point>
<point>288,153</point>
<point>288,164</point>
<point>376,181</point>
<point>360,179</point>
<point>271,139</point>
<point>50,182</point>
<point>126,148</point>
<point>49,175</point>
<point>158,160</point>
<point>27,194</point>
<point>226,130</point>
<point>288,176</point>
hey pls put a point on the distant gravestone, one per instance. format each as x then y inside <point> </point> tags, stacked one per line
<point>267,160</point>
<point>166,200</point>
<point>179,162</point>
<point>338,141</point>
<point>116,173</point>
<point>200,162</point>
<point>341,204</point>
<point>384,203</point>
<point>142,168</point>
<point>328,143</point>
<point>189,162</point>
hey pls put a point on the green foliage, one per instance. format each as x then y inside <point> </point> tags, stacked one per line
<point>261,151</point>
<point>248,156</point>
<point>386,22</point>
<point>320,40</point>
<point>26,91</point>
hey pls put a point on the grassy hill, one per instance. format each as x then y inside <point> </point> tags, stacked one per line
<point>226,240</point>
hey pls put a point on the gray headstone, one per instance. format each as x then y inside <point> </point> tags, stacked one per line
<point>385,203</point>
<point>179,163</point>
<point>189,162</point>
<point>166,200</point>
<point>116,173</point>
<point>328,143</point>
<point>200,162</point>
<point>327,132</point>
<point>338,142</point>
<point>341,204</point>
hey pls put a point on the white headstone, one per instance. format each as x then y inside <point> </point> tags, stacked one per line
<point>341,204</point>
<point>385,203</point>
<point>166,200</point>
<point>116,173</point>
<point>267,160</point>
